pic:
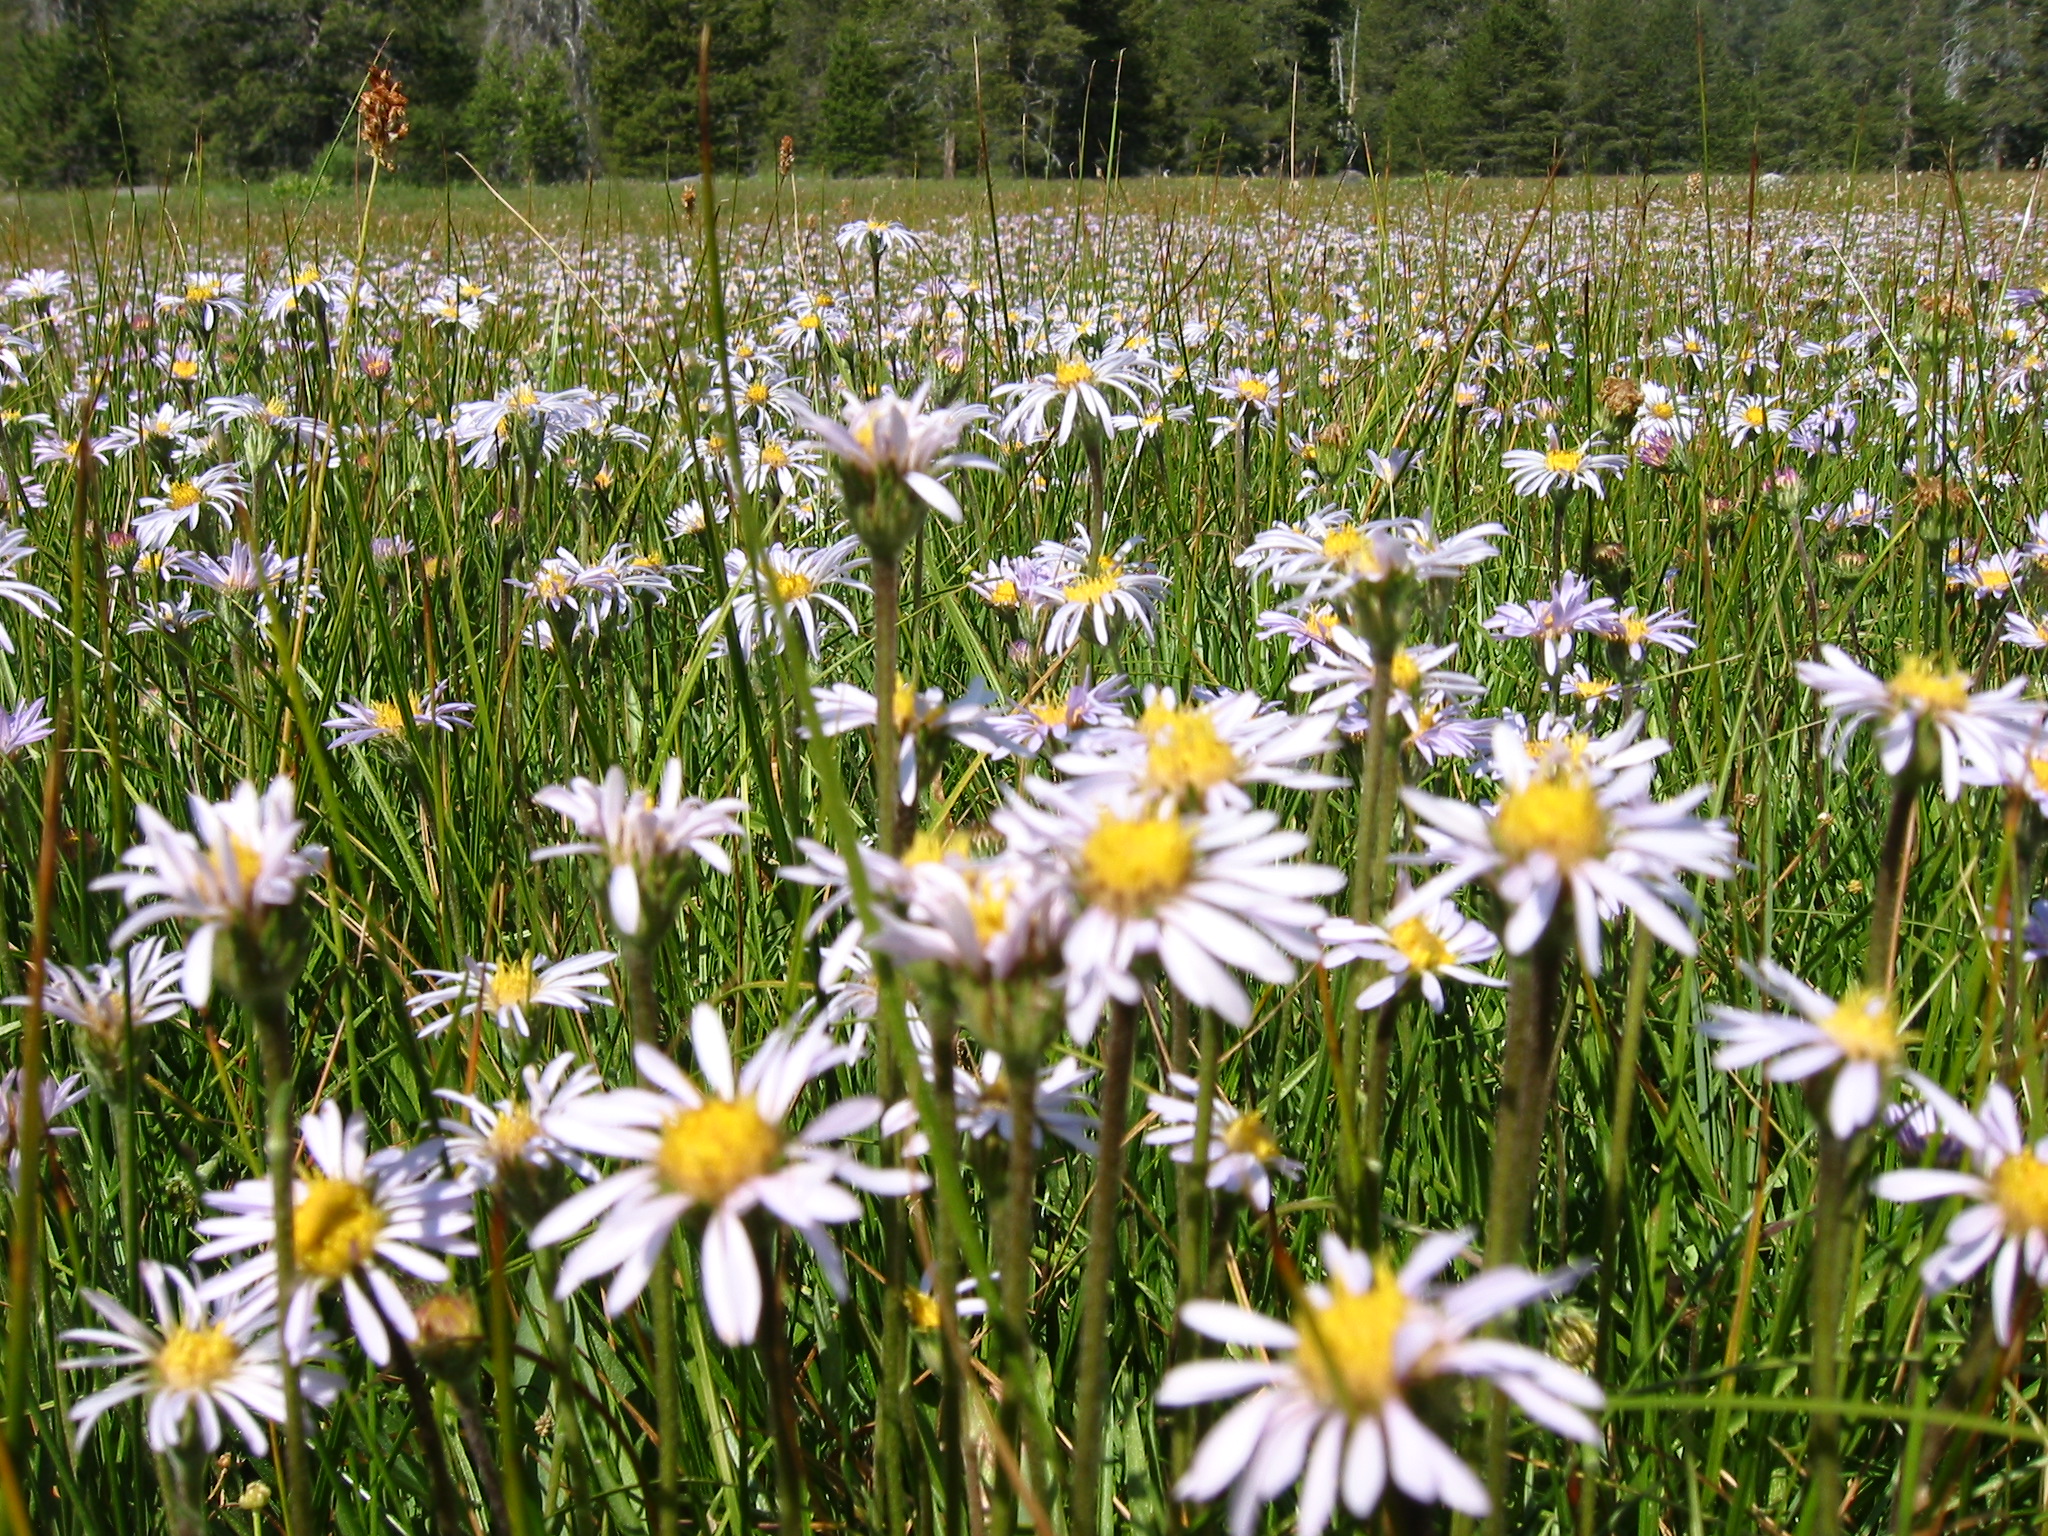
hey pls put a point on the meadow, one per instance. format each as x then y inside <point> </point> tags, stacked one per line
<point>1437,931</point>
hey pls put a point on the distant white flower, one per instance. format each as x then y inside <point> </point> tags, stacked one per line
<point>56,1097</point>
<point>1078,389</point>
<point>14,549</point>
<point>357,1215</point>
<point>241,863</point>
<point>1243,1156</point>
<point>889,437</point>
<point>1336,1413</point>
<point>1555,621</point>
<point>725,1152</point>
<point>1572,826</point>
<point>1098,590</point>
<point>511,1136</point>
<point>650,841</point>
<point>358,721</point>
<point>1973,730</point>
<point>1548,470</point>
<point>794,582</point>
<point>2005,1223</point>
<point>1205,750</point>
<point>503,990</point>
<point>1438,942</point>
<point>1855,1037</point>
<point>201,1361</point>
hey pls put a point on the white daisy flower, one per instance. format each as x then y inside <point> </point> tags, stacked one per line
<point>1570,826</point>
<point>1856,1037</point>
<point>1097,590</point>
<point>725,1152</point>
<point>511,1139</point>
<point>890,438</point>
<point>1078,389</point>
<point>1206,893</point>
<point>135,991</point>
<point>1206,750</point>
<point>650,841</point>
<point>1971,730</point>
<point>360,721</point>
<point>1752,416</point>
<point>2005,1224</point>
<point>56,1095</point>
<point>795,580</point>
<point>982,917</point>
<point>201,1361</point>
<point>241,864</point>
<point>1554,621</point>
<point>357,1216</point>
<point>1436,943</point>
<point>1336,1414</point>
<point>504,990</point>
<point>1550,469</point>
<point>14,549</point>
<point>1243,1156</point>
<point>981,1095</point>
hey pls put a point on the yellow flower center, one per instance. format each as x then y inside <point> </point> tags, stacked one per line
<point>1347,1348</point>
<point>809,322</point>
<point>774,456</point>
<point>387,717</point>
<point>1420,945</point>
<point>1256,390</point>
<point>988,903</point>
<point>1995,578</point>
<point>1563,461</point>
<point>510,984</point>
<point>1131,866</point>
<point>1405,672</point>
<point>903,708</point>
<point>248,860</point>
<point>1103,581</point>
<point>708,1152</point>
<point>2020,1186</point>
<point>200,293</point>
<point>184,367</point>
<point>335,1227</point>
<point>757,393</point>
<point>1754,415</point>
<point>1664,410</point>
<point>552,586</point>
<point>1558,814</point>
<point>793,586</point>
<point>1074,371</point>
<point>1002,594</point>
<point>196,1359</point>
<point>1921,685</point>
<point>923,1310</point>
<point>1187,755</point>
<point>1322,623</point>
<point>933,845</point>
<point>182,496</point>
<point>1865,1025</point>
<point>276,407</point>
<point>523,399</point>
<point>510,1137</point>
<point>1248,1133</point>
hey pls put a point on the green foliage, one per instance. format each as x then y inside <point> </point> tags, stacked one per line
<point>856,127</point>
<point>1508,89</point>
<point>645,73</point>
<point>551,146</point>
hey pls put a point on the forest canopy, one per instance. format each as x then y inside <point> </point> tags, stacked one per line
<point>548,90</point>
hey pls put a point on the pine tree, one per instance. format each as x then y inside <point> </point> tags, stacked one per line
<point>854,117</point>
<point>490,118</point>
<point>644,72</point>
<point>1509,89</point>
<point>551,144</point>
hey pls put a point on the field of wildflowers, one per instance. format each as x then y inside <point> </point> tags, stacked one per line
<point>949,859</point>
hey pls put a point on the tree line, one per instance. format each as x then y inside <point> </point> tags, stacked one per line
<point>545,90</point>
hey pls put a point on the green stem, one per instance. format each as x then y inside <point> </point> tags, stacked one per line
<point>448,1509</point>
<point>506,1398</point>
<point>1093,1402</point>
<point>642,1008</point>
<point>1889,895</point>
<point>273,1034</point>
<point>661,1304</point>
<point>1019,1277</point>
<point>1194,1238</point>
<point>789,1476</point>
<point>1371,1152</point>
<point>942,1014</point>
<point>1831,1228</point>
<point>1528,1058</point>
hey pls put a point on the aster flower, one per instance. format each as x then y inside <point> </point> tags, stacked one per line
<point>1554,621</point>
<point>510,1140</point>
<point>503,990</point>
<point>981,1095</point>
<point>893,440</point>
<point>1969,730</point>
<point>1098,590</point>
<point>650,841</point>
<point>981,917</point>
<point>1079,389</point>
<point>240,867</point>
<point>485,427</point>
<point>1031,728</point>
<point>1856,1037</point>
<point>179,502</point>
<point>2005,1223</point>
<point>877,237</point>
<point>1664,413</point>
<point>795,581</point>
<point>1336,1414</point>
<point>1570,825</point>
<point>359,721</point>
<point>1753,416</point>
<point>240,573</point>
<point>1437,943</point>
<point>1243,1156</point>
<point>202,1360</point>
<point>132,993</point>
<point>1205,750</point>
<point>358,1216</point>
<point>726,1152</point>
<point>1553,468</point>
<point>14,549</point>
<point>23,726</point>
<point>1205,893</point>
<point>922,717</point>
<point>56,1096</point>
<point>207,298</point>
<point>1341,674</point>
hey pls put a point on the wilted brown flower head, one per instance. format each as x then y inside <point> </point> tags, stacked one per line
<point>1621,399</point>
<point>381,112</point>
<point>689,196</point>
<point>1930,491</point>
<point>785,156</point>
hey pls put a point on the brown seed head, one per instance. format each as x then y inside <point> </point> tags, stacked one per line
<point>380,111</point>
